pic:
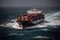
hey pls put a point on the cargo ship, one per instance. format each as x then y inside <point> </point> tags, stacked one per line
<point>33,16</point>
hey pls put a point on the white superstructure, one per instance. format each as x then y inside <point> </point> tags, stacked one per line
<point>34,10</point>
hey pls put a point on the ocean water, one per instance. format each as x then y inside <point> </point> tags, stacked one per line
<point>48,30</point>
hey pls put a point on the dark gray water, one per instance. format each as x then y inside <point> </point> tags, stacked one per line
<point>7,16</point>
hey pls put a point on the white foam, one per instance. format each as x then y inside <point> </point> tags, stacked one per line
<point>42,37</point>
<point>52,16</point>
<point>12,24</point>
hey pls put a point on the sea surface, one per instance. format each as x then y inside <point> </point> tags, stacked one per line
<point>48,30</point>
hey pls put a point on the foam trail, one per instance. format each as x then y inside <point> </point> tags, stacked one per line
<point>52,16</point>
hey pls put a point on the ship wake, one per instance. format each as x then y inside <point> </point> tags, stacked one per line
<point>52,20</point>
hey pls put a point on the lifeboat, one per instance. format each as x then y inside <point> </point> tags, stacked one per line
<point>32,17</point>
